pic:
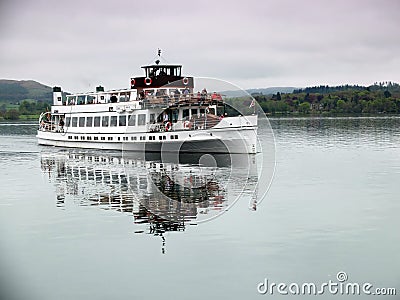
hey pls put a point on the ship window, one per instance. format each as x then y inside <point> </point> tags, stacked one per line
<point>122,120</point>
<point>74,121</point>
<point>70,137</point>
<point>113,99</point>
<point>81,121</point>
<point>162,92</point>
<point>71,100</point>
<point>202,110</point>
<point>96,138</point>
<point>105,121</point>
<point>89,138</point>
<point>82,137</point>
<point>96,121</point>
<point>89,121</point>
<point>185,113</point>
<point>67,121</point>
<point>122,97</point>
<point>212,111</point>
<point>176,137</point>
<point>81,100</point>
<point>172,137</point>
<point>132,120</point>
<point>76,137</point>
<point>164,137</point>
<point>119,138</point>
<point>149,92</point>
<point>141,119</point>
<point>110,138</point>
<point>194,112</point>
<point>160,137</point>
<point>114,120</point>
<point>134,138</point>
<point>152,118</point>
<point>90,99</point>
<point>174,116</point>
<point>103,138</point>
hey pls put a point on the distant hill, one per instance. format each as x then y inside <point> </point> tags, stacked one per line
<point>389,86</point>
<point>271,90</point>
<point>260,91</point>
<point>14,91</point>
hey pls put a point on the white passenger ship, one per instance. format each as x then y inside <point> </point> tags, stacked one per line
<point>159,112</point>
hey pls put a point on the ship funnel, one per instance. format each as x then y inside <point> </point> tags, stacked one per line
<point>57,95</point>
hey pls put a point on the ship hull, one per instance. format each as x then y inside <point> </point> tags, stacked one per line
<point>241,140</point>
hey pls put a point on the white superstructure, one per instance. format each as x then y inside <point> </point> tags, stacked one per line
<point>159,112</point>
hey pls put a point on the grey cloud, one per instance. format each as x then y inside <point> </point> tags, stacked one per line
<point>79,44</point>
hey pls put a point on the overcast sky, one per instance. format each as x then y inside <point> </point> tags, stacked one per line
<point>79,44</point>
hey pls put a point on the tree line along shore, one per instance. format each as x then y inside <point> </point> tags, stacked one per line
<point>378,98</point>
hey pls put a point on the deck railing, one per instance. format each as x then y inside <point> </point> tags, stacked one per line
<point>162,100</point>
<point>197,122</point>
<point>181,100</point>
<point>50,126</point>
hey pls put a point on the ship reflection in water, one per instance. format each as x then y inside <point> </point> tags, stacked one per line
<point>162,195</point>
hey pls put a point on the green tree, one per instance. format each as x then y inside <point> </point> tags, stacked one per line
<point>387,94</point>
<point>341,105</point>
<point>3,109</point>
<point>11,114</point>
<point>304,107</point>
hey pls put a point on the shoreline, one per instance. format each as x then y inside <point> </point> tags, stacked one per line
<point>331,115</point>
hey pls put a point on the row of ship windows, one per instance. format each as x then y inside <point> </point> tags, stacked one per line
<point>105,121</point>
<point>124,138</point>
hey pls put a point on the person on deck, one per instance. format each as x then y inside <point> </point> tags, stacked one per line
<point>61,124</point>
<point>204,94</point>
<point>165,117</point>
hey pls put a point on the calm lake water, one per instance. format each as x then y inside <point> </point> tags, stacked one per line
<point>83,224</point>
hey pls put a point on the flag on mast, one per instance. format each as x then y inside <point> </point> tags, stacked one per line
<point>253,103</point>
